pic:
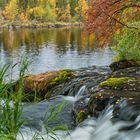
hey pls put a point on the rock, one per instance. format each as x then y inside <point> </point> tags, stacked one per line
<point>133,72</point>
<point>81,116</point>
<point>80,110</point>
<point>121,84</point>
<point>124,64</point>
<point>89,77</point>
<point>38,83</point>
<point>39,86</point>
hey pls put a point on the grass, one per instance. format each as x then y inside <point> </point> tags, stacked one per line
<point>11,107</point>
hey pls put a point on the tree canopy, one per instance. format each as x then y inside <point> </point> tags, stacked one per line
<point>108,18</point>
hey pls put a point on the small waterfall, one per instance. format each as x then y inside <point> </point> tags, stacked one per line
<point>78,96</point>
<point>101,128</point>
<point>104,129</point>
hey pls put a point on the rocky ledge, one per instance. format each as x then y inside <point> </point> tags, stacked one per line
<point>94,88</point>
<point>122,84</point>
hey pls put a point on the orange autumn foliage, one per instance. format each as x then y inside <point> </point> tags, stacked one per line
<point>107,17</point>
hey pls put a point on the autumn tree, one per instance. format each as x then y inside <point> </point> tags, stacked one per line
<point>73,4</point>
<point>64,14</point>
<point>50,9</point>
<point>109,18</point>
<point>11,10</point>
<point>81,9</point>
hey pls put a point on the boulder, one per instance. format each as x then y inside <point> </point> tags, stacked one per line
<point>124,64</point>
<point>121,84</point>
<point>39,86</point>
<point>39,83</point>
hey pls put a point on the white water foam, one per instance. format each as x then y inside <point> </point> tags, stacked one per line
<point>99,129</point>
<point>77,97</point>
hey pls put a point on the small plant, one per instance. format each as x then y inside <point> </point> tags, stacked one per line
<point>52,117</point>
<point>11,106</point>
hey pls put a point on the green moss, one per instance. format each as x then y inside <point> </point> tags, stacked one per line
<point>47,95</point>
<point>63,76</point>
<point>80,116</point>
<point>115,82</point>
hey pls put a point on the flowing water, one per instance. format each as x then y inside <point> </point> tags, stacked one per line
<point>101,128</point>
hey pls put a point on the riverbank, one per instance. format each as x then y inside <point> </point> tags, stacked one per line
<point>36,24</point>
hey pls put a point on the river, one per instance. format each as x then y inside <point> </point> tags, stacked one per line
<point>51,49</point>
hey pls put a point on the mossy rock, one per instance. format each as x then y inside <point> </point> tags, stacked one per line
<point>39,86</point>
<point>80,116</point>
<point>101,99</point>
<point>97,103</point>
<point>133,72</point>
<point>124,83</point>
<point>112,82</point>
<point>62,76</point>
<point>124,64</point>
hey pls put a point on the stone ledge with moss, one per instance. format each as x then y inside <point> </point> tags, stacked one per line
<point>37,87</point>
<point>123,83</point>
<point>124,64</point>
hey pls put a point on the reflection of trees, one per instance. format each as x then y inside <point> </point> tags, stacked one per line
<point>62,39</point>
<point>9,40</point>
<point>34,39</point>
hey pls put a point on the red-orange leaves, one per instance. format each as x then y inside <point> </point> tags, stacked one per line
<point>107,17</point>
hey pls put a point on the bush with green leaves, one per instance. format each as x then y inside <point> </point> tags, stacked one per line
<point>128,45</point>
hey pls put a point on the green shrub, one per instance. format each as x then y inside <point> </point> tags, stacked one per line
<point>128,45</point>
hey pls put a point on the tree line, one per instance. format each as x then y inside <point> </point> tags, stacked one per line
<point>44,10</point>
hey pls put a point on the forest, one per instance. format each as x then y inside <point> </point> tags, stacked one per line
<point>44,10</point>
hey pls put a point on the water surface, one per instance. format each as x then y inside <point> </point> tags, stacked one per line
<point>51,49</point>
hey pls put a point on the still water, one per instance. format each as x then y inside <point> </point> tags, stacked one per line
<point>51,49</point>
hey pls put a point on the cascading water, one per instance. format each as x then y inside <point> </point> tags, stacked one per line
<point>78,96</point>
<point>96,129</point>
<point>101,128</point>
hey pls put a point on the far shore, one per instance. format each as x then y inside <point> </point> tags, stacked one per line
<point>15,25</point>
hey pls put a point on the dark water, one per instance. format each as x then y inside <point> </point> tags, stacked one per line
<point>51,49</point>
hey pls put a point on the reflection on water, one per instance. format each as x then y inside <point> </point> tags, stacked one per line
<point>50,49</point>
